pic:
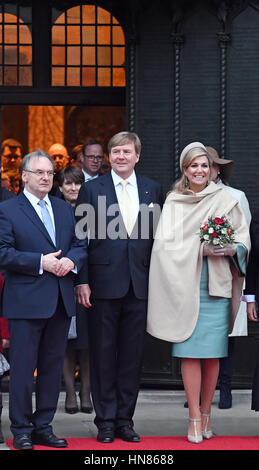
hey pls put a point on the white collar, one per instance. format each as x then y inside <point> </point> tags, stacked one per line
<point>34,199</point>
<point>132,179</point>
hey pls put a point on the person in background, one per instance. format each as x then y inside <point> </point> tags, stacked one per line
<point>189,304</point>
<point>70,181</point>
<point>76,156</point>
<point>251,296</point>
<point>11,158</point>
<point>220,173</point>
<point>4,343</point>
<point>59,154</point>
<point>92,159</point>
<point>11,155</point>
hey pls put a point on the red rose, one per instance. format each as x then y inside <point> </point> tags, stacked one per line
<point>214,234</point>
<point>218,221</point>
<point>229,231</point>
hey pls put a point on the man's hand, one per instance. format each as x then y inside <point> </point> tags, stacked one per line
<point>65,265</point>
<point>251,311</point>
<point>83,293</point>
<point>50,262</point>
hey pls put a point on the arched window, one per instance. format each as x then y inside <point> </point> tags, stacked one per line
<point>88,48</point>
<point>15,45</point>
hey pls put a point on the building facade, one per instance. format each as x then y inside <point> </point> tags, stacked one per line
<point>173,71</point>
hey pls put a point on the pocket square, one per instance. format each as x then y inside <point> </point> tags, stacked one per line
<point>151,204</point>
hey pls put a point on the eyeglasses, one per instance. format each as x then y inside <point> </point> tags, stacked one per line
<point>94,157</point>
<point>41,173</point>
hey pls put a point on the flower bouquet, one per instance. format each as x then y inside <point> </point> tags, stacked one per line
<point>217,230</point>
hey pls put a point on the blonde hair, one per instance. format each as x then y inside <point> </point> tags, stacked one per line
<point>180,185</point>
<point>124,138</point>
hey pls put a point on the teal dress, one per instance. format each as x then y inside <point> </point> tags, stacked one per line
<point>210,336</point>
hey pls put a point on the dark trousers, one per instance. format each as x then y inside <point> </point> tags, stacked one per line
<point>36,344</point>
<point>226,364</point>
<point>116,336</point>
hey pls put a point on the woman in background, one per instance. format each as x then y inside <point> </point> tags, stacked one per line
<point>70,181</point>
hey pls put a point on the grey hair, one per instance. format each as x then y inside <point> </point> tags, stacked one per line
<point>36,154</point>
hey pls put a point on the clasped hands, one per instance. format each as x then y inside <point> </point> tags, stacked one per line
<point>59,267</point>
<point>217,250</point>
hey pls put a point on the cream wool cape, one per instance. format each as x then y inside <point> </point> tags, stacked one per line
<point>176,262</point>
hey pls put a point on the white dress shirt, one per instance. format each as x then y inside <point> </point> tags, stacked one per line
<point>34,202</point>
<point>132,189</point>
<point>88,177</point>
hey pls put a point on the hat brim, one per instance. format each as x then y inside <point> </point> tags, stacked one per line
<point>226,166</point>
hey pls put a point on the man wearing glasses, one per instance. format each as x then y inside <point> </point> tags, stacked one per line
<point>92,159</point>
<point>39,251</point>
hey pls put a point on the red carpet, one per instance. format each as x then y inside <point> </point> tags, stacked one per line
<point>160,443</point>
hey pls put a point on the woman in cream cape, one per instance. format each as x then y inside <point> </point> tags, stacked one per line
<point>194,289</point>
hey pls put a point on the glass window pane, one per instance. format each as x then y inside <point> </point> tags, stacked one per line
<point>89,56</point>
<point>103,56</point>
<point>10,15</point>
<point>73,15</point>
<point>73,56</point>
<point>10,34</point>
<point>88,76</point>
<point>60,19</point>
<point>118,35</point>
<point>58,55</point>
<point>73,76</point>
<point>103,16</point>
<point>10,76</point>
<point>25,76</point>
<point>104,77</point>
<point>58,76</point>
<point>118,77</point>
<point>103,34</point>
<point>58,35</point>
<point>1,76</point>
<point>1,34</point>
<point>25,55</point>
<point>118,55</point>
<point>24,35</point>
<point>1,55</point>
<point>88,34</point>
<point>73,35</point>
<point>88,14</point>
<point>10,55</point>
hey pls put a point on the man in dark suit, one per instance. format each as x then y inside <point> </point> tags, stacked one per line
<point>5,194</point>
<point>38,250</point>
<point>120,207</point>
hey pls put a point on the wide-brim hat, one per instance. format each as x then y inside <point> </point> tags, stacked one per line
<point>189,147</point>
<point>226,166</point>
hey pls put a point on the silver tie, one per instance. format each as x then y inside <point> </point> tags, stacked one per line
<point>47,221</point>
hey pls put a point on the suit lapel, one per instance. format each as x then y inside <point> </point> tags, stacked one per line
<point>107,189</point>
<point>143,190</point>
<point>30,212</point>
<point>57,218</point>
